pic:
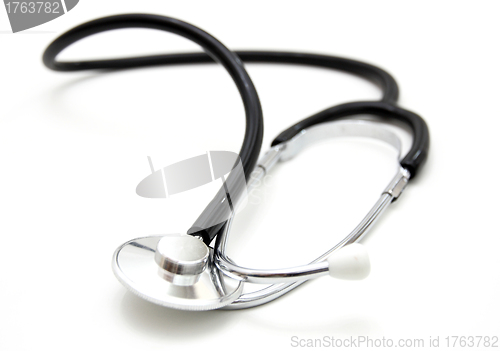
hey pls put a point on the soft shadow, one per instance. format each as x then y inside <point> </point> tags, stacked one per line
<point>291,320</point>
<point>57,94</point>
<point>168,323</point>
<point>56,97</point>
<point>340,326</point>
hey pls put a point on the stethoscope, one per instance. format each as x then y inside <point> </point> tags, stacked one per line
<point>193,271</point>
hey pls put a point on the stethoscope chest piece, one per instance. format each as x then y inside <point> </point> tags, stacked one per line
<point>174,271</point>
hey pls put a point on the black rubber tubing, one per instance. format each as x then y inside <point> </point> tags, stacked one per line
<point>216,52</point>
<point>413,160</point>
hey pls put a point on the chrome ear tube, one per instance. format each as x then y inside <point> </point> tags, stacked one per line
<point>346,260</point>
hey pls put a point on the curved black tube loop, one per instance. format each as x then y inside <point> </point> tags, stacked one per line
<point>250,148</point>
<point>215,51</point>
<point>413,160</point>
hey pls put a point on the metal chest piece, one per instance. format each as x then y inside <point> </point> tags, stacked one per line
<point>175,271</point>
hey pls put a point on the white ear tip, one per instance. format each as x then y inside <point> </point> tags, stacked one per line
<point>350,263</point>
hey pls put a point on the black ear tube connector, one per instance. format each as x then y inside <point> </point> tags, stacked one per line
<point>413,160</point>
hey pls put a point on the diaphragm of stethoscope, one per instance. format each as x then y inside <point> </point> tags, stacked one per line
<point>137,267</point>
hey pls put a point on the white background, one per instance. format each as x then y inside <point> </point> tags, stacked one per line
<point>74,146</point>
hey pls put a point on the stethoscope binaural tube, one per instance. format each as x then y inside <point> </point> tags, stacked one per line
<point>284,280</point>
